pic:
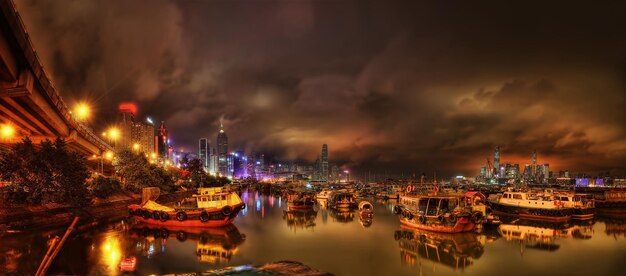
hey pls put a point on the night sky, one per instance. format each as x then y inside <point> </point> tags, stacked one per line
<point>389,85</point>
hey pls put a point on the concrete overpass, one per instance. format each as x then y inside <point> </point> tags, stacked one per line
<point>29,102</point>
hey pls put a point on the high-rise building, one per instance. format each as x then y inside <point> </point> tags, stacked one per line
<point>240,164</point>
<point>324,163</point>
<point>203,152</point>
<point>496,161</point>
<point>162,142</point>
<point>222,152</point>
<point>143,137</point>
<point>213,161</point>
<point>125,124</point>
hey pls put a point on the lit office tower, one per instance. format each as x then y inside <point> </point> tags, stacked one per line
<point>125,123</point>
<point>162,142</point>
<point>222,152</point>
<point>143,137</point>
<point>496,161</point>
<point>213,161</point>
<point>324,163</point>
<point>203,152</point>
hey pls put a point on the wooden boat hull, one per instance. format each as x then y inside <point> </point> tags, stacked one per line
<point>463,224</point>
<point>216,218</point>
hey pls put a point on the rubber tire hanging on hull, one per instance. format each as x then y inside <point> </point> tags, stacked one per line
<point>181,216</point>
<point>204,216</point>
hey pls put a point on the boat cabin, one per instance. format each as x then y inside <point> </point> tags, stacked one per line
<point>435,206</point>
<point>215,197</point>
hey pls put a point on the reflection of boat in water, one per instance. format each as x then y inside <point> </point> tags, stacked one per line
<point>300,218</point>
<point>214,207</point>
<point>615,226</point>
<point>454,250</point>
<point>342,215</point>
<point>447,214</point>
<point>214,245</point>
<point>543,235</point>
<point>366,213</point>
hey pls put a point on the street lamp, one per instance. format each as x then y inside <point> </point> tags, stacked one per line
<point>136,147</point>
<point>7,131</point>
<point>81,111</point>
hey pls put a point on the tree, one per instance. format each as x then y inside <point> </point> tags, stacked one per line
<point>137,173</point>
<point>51,173</point>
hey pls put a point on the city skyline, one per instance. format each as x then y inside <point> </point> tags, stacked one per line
<point>409,92</point>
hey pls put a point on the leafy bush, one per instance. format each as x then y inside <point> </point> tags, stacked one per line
<point>104,187</point>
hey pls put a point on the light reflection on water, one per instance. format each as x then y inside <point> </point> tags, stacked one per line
<point>333,241</point>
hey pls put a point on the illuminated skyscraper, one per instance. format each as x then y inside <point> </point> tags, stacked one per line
<point>324,163</point>
<point>162,142</point>
<point>222,152</point>
<point>203,152</point>
<point>496,161</point>
<point>125,123</point>
<point>143,137</point>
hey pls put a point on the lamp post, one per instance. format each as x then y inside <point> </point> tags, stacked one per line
<point>7,132</point>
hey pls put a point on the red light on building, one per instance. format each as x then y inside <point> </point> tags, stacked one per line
<point>128,107</point>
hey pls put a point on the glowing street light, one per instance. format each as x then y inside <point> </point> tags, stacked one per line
<point>81,111</point>
<point>113,133</point>
<point>108,155</point>
<point>136,146</point>
<point>7,131</point>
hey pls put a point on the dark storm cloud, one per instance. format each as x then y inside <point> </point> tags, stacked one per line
<point>389,85</point>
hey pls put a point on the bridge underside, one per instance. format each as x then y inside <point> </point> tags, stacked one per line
<point>29,103</point>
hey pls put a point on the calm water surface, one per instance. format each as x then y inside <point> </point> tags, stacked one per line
<point>339,243</point>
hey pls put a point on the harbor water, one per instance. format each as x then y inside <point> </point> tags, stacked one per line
<point>340,243</point>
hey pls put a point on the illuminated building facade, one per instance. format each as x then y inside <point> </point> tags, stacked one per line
<point>324,163</point>
<point>143,136</point>
<point>162,142</point>
<point>222,152</point>
<point>203,152</point>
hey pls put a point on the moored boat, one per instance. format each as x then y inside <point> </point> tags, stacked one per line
<point>447,214</point>
<point>536,206</point>
<point>341,200</point>
<point>214,207</point>
<point>325,194</point>
<point>302,200</point>
<point>582,204</point>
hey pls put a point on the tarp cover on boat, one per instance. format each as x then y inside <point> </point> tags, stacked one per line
<point>151,205</point>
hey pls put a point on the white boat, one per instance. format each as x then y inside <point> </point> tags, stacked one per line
<point>325,194</point>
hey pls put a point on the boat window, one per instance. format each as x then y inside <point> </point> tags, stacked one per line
<point>564,198</point>
<point>433,205</point>
<point>422,205</point>
<point>223,197</point>
<point>216,198</point>
<point>517,196</point>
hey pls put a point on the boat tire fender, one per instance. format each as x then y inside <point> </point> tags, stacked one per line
<point>204,216</point>
<point>146,214</point>
<point>441,218</point>
<point>422,219</point>
<point>227,210</point>
<point>477,217</point>
<point>164,216</point>
<point>452,218</point>
<point>131,211</point>
<point>156,215</point>
<point>181,216</point>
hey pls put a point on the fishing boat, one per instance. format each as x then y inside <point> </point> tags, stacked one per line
<point>212,207</point>
<point>615,199</point>
<point>302,200</point>
<point>529,205</point>
<point>341,200</point>
<point>447,214</point>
